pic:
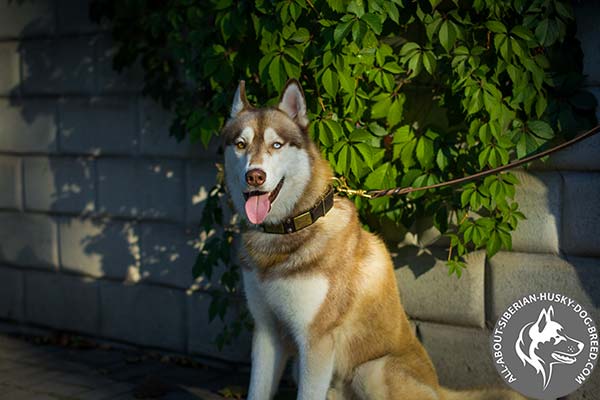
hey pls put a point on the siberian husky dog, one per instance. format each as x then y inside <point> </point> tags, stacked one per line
<point>318,286</point>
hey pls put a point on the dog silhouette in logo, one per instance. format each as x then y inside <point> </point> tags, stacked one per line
<point>543,344</point>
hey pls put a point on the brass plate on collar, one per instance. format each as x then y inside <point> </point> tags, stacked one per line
<point>302,221</point>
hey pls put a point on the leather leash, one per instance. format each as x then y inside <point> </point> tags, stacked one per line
<point>373,194</point>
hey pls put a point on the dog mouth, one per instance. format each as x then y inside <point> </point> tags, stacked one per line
<point>563,357</point>
<point>258,203</point>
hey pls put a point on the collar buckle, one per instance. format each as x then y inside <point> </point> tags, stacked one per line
<point>305,219</point>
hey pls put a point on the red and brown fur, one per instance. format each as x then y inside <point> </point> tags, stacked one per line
<point>326,294</point>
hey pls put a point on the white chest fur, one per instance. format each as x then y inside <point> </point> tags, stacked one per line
<point>295,301</point>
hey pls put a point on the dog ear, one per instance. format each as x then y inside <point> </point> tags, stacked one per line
<point>544,318</point>
<point>292,103</point>
<point>240,102</point>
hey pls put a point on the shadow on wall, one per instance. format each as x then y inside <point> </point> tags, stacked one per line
<point>66,125</point>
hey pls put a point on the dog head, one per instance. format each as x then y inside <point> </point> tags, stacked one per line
<point>268,155</point>
<point>544,343</point>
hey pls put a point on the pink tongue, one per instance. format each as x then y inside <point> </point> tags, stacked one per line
<point>257,208</point>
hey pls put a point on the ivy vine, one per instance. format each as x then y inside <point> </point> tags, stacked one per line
<point>400,92</point>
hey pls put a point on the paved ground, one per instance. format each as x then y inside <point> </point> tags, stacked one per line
<point>62,367</point>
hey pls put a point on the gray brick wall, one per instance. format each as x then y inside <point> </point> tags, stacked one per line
<point>99,210</point>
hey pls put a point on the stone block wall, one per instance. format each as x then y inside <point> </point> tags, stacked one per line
<point>99,210</point>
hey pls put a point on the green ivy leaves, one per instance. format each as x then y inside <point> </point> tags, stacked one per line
<point>400,94</point>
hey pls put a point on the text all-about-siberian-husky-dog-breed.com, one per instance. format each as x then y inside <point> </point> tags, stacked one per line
<point>318,286</point>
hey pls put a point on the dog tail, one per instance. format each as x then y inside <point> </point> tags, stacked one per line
<point>481,394</point>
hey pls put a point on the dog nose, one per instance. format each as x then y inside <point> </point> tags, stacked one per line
<point>256,177</point>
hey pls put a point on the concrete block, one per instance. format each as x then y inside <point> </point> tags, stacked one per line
<point>10,182</point>
<point>588,31</point>
<point>99,248</point>
<point>62,302</point>
<point>581,222</point>
<point>168,254</point>
<point>539,196</point>
<point>29,240</point>
<point>461,356</point>
<point>28,125</point>
<point>129,80</point>
<point>11,293</point>
<point>202,333</point>
<point>200,179</point>
<point>63,184</point>
<point>10,65</point>
<point>144,315</point>
<point>156,141</point>
<point>141,188</point>
<point>26,18</point>
<point>58,66</point>
<point>582,156</point>
<point>74,17</point>
<point>428,293</point>
<point>513,275</point>
<point>96,126</point>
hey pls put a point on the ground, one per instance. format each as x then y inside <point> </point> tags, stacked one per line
<point>64,367</point>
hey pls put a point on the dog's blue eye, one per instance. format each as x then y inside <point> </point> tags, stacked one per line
<point>277,145</point>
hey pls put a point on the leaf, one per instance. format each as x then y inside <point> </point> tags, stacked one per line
<point>355,162</point>
<point>434,3</point>
<point>300,36</point>
<point>541,129</point>
<point>392,11</point>
<point>394,114</point>
<point>330,82</point>
<point>336,5</point>
<point>334,130</point>
<point>540,106</point>
<point>366,152</point>
<point>341,31</point>
<point>564,10</point>
<point>409,48</point>
<point>493,244</point>
<point>342,159</point>
<point>393,67</point>
<point>380,109</point>
<point>356,7</point>
<point>383,177</point>
<point>441,160</point>
<point>347,82</point>
<point>277,73</point>
<point>433,27</point>
<point>547,32</point>
<point>359,29</point>
<point>425,152</point>
<point>496,26</point>
<point>447,35</point>
<point>374,22</point>
<point>429,62</point>
<point>522,32</point>
<point>415,64</point>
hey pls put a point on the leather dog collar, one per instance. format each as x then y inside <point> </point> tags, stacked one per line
<point>307,218</point>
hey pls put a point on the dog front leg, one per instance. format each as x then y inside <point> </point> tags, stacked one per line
<point>268,361</point>
<point>316,369</point>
